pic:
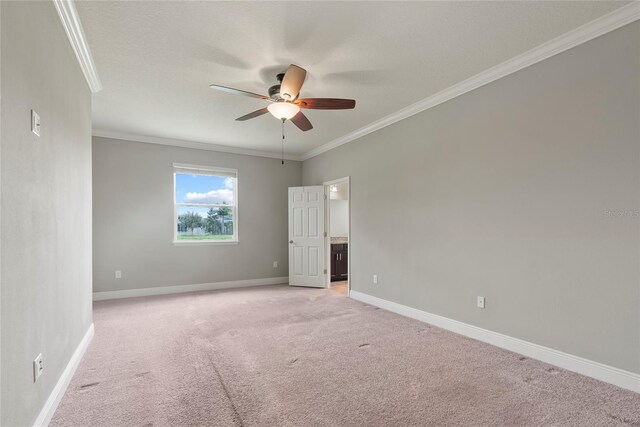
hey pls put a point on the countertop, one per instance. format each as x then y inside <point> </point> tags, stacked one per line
<point>339,240</point>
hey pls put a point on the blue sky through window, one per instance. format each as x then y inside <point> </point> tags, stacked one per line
<point>204,189</point>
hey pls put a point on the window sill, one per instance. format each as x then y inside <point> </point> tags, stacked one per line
<point>204,242</point>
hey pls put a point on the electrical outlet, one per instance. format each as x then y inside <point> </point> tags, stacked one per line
<point>38,367</point>
<point>375,279</point>
<point>35,123</point>
<point>118,274</point>
<point>275,264</point>
<point>480,302</point>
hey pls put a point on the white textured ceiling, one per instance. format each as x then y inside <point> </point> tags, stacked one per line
<point>157,59</point>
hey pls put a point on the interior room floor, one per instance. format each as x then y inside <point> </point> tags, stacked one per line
<point>284,356</point>
<point>340,287</point>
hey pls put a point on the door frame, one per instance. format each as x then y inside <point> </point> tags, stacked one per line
<point>327,227</point>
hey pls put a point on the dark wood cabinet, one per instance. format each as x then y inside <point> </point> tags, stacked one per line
<point>339,261</point>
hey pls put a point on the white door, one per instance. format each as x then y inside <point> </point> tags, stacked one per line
<point>306,236</point>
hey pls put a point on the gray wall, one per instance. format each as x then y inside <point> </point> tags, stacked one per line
<point>46,206</point>
<point>133,218</point>
<point>508,192</point>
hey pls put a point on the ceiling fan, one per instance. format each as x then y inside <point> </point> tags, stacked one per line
<point>284,101</point>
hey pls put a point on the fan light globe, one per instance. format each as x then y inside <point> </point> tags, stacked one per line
<point>283,110</point>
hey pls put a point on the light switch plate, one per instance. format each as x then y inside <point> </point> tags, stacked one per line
<point>35,123</point>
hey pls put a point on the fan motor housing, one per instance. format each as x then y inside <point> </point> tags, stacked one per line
<point>274,92</point>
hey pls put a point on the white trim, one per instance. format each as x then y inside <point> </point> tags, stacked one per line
<point>178,289</point>
<point>606,23</point>
<point>206,169</point>
<point>58,391</point>
<point>191,144</point>
<point>599,371</point>
<point>204,242</point>
<point>73,27</point>
<point>338,181</point>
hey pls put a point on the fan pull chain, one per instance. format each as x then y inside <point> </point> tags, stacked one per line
<point>283,141</point>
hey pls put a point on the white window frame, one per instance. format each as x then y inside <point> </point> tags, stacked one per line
<point>183,168</point>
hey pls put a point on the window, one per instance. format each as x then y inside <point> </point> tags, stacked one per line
<point>205,204</point>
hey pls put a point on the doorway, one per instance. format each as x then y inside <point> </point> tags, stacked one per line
<point>337,242</point>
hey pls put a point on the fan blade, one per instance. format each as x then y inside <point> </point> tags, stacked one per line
<point>302,122</point>
<point>238,91</point>
<point>253,115</point>
<point>292,82</point>
<point>326,103</point>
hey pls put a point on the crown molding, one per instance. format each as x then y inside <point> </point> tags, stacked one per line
<point>606,23</point>
<point>191,144</point>
<point>73,27</point>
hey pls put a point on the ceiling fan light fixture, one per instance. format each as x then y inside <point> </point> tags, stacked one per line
<point>283,110</point>
<point>285,103</point>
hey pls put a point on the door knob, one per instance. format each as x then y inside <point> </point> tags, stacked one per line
<point>291,241</point>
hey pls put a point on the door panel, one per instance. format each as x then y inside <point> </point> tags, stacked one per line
<point>313,223</point>
<point>297,222</point>
<point>306,236</point>
<point>313,262</point>
<point>298,254</point>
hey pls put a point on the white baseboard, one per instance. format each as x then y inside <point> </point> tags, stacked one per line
<point>164,290</point>
<point>599,371</point>
<point>63,382</point>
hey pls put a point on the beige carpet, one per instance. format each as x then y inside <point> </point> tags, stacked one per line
<point>280,356</point>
